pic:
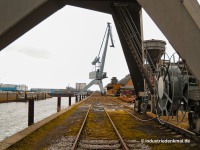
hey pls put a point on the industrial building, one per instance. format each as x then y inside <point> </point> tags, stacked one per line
<point>80,86</point>
<point>48,90</point>
<point>113,87</point>
<point>124,87</point>
<point>13,87</point>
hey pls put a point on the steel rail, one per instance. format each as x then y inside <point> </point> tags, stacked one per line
<point>124,146</point>
<point>182,131</point>
<point>131,113</point>
<point>80,131</point>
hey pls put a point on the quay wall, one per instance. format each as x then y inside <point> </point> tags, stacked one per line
<point>19,97</point>
<point>21,134</point>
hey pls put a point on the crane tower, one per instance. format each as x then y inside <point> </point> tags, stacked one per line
<point>98,74</point>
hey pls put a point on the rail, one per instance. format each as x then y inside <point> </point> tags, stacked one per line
<point>124,146</point>
<point>181,131</point>
<point>80,131</point>
<point>77,139</point>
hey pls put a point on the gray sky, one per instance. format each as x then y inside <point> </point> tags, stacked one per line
<point>58,52</point>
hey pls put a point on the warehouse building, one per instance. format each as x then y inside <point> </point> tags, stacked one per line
<point>13,87</point>
<point>80,86</point>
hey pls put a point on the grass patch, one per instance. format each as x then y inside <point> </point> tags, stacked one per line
<point>131,129</point>
<point>98,126</point>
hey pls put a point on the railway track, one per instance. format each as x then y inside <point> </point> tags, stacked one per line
<point>193,138</point>
<point>120,142</point>
<point>97,131</point>
<point>99,144</point>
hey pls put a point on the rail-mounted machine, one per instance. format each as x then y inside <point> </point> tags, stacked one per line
<point>176,90</point>
<point>98,74</point>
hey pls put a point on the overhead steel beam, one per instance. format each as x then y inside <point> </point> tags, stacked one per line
<point>19,16</point>
<point>134,69</point>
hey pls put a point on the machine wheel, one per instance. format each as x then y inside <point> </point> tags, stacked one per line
<point>181,101</point>
<point>164,90</point>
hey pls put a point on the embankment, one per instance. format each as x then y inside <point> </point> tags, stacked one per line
<point>19,97</point>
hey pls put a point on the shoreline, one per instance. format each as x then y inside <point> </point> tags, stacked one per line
<point>7,97</point>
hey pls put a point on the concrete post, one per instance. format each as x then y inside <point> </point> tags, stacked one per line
<point>59,104</point>
<point>70,100</point>
<point>30,112</point>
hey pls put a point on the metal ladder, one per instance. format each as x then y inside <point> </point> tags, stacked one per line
<point>133,39</point>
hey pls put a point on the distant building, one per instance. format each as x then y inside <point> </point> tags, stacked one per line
<point>122,87</point>
<point>113,87</point>
<point>127,82</point>
<point>80,86</point>
<point>48,90</point>
<point>128,87</point>
<point>43,90</point>
<point>13,87</point>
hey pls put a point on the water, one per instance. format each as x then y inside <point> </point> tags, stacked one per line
<point>14,116</point>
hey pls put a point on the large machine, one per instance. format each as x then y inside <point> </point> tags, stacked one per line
<point>176,90</point>
<point>98,74</point>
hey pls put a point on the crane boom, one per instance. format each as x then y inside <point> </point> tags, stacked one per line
<point>109,34</point>
<point>98,74</point>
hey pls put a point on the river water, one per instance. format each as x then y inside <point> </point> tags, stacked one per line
<point>14,116</point>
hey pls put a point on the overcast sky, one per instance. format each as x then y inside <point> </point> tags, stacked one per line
<point>58,52</point>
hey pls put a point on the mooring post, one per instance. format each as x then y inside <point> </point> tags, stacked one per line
<point>7,96</point>
<point>70,100</point>
<point>59,104</point>
<point>25,95</point>
<point>30,112</point>
<point>76,98</point>
<point>80,97</point>
<point>16,95</point>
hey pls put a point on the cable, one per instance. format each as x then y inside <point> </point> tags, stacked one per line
<point>143,120</point>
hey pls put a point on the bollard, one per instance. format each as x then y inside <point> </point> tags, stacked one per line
<point>76,98</point>
<point>80,97</point>
<point>30,112</point>
<point>17,96</point>
<point>25,95</point>
<point>59,104</point>
<point>7,96</point>
<point>70,100</point>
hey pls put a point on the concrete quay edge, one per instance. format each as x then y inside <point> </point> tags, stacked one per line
<point>23,133</point>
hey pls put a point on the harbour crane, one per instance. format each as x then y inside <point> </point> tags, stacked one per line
<point>98,75</point>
